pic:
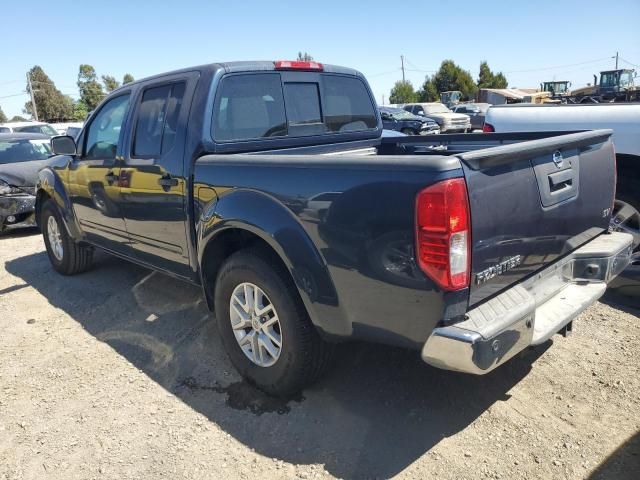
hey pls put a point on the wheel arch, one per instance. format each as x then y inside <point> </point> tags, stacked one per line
<point>252,220</point>
<point>51,187</point>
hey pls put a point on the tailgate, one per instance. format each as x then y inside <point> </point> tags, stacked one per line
<point>534,202</point>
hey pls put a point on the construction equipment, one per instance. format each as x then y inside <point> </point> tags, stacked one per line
<point>451,98</point>
<point>557,89</point>
<point>615,86</point>
<point>541,97</point>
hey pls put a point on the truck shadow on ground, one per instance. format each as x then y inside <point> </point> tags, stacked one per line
<point>622,464</point>
<point>376,412</point>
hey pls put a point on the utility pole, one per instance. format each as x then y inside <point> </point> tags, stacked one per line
<point>34,109</point>
<point>402,63</point>
<point>616,60</point>
<point>383,99</point>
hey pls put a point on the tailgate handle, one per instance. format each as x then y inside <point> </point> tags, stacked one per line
<point>560,180</point>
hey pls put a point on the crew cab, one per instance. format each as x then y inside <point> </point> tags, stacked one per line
<point>270,185</point>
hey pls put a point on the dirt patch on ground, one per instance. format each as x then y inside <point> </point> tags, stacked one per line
<point>119,373</point>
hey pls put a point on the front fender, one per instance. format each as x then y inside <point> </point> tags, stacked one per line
<point>50,185</point>
<point>270,220</point>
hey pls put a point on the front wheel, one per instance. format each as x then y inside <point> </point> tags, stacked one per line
<point>66,256</point>
<point>265,327</point>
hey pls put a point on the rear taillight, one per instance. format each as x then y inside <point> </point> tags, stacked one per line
<point>296,65</point>
<point>443,233</point>
<point>488,128</point>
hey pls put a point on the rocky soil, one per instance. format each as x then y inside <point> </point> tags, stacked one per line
<point>119,374</point>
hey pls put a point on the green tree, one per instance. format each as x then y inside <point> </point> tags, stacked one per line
<point>80,111</point>
<point>110,83</point>
<point>51,104</point>
<point>18,118</point>
<point>128,78</point>
<point>90,89</point>
<point>429,91</point>
<point>3,117</point>
<point>402,92</point>
<point>304,57</point>
<point>448,77</point>
<point>487,79</point>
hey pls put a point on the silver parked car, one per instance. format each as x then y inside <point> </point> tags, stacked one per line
<point>447,120</point>
<point>476,112</point>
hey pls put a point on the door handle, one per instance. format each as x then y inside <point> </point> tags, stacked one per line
<point>111,177</point>
<point>167,181</point>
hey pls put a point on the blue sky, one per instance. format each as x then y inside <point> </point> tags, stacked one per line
<point>529,41</point>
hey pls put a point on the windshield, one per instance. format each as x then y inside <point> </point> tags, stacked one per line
<point>609,79</point>
<point>437,108</point>
<point>398,113</point>
<point>626,79</point>
<point>559,87</point>
<point>14,151</point>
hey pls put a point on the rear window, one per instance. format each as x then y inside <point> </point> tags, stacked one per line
<point>348,107</point>
<point>254,106</point>
<point>249,107</point>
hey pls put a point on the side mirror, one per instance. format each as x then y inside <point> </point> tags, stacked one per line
<point>63,145</point>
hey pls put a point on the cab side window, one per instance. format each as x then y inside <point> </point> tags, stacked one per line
<point>104,132</point>
<point>157,118</point>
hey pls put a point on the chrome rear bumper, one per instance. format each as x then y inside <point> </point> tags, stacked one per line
<point>532,311</point>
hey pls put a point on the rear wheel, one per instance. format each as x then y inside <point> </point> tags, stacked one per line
<point>265,327</point>
<point>626,218</point>
<point>67,257</point>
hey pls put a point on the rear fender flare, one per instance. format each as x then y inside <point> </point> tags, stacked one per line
<point>267,218</point>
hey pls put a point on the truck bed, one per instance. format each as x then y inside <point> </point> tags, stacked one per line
<point>350,219</point>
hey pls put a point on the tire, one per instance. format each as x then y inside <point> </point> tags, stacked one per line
<point>303,356</point>
<point>626,218</point>
<point>66,256</point>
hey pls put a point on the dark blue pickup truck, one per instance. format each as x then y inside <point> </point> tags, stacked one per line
<point>269,184</point>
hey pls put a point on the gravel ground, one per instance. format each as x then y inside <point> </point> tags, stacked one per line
<point>119,373</point>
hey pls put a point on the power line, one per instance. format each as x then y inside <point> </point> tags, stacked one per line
<point>628,62</point>
<point>384,73</point>
<point>15,95</point>
<point>558,66</point>
<point>11,81</point>
<point>420,71</point>
<point>416,68</point>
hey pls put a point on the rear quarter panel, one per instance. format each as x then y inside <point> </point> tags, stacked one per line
<point>344,227</point>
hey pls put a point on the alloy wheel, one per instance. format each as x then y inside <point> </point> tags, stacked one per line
<point>55,239</point>
<point>255,324</point>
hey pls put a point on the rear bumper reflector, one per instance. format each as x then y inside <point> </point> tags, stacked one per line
<point>530,312</point>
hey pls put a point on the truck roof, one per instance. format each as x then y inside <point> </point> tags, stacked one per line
<point>242,66</point>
